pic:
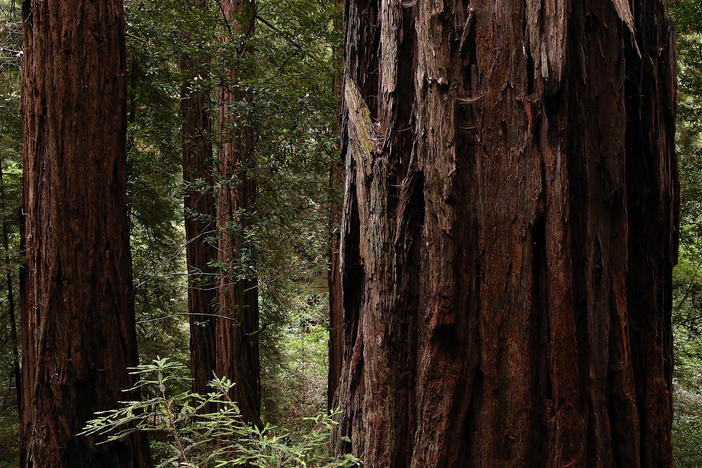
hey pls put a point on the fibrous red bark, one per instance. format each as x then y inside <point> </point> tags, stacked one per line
<point>237,335</point>
<point>200,225</point>
<point>78,326</point>
<point>509,231</point>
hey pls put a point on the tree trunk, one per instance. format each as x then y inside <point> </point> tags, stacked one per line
<point>336,306</point>
<point>237,335</point>
<point>509,231</point>
<point>78,326</point>
<point>200,218</point>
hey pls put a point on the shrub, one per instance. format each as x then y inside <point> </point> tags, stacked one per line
<point>183,434</point>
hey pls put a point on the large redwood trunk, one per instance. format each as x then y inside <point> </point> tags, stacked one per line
<point>200,215</point>
<point>510,227</point>
<point>237,335</point>
<point>78,325</point>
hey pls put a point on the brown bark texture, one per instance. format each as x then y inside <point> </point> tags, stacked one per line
<point>237,335</point>
<point>510,227</point>
<point>78,326</point>
<point>200,224</point>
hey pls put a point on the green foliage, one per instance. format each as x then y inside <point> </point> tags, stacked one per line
<point>295,376</point>
<point>154,178</point>
<point>687,425</point>
<point>10,219</point>
<point>9,430</point>
<point>687,278</point>
<point>292,110</point>
<point>185,435</point>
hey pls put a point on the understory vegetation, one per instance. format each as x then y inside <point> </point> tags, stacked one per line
<point>183,433</point>
<point>687,277</point>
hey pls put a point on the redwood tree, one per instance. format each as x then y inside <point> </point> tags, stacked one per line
<point>199,221</point>
<point>509,231</point>
<point>78,324</point>
<point>237,332</point>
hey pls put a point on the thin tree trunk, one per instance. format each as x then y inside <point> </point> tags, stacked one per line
<point>336,309</point>
<point>237,337</point>
<point>200,218</point>
<point>509,232</point>
<point>78,326</point>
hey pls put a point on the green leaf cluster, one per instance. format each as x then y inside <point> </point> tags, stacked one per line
<point>687,278</point>
<point>188,436</point>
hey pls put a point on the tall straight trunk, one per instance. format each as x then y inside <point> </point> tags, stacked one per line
<point>78,327</point>
<point>200,217</point>
<point>509,232</point>
<point>336,307</point>
<point>237,335</point>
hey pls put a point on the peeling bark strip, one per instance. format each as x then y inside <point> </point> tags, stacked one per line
<point>200,224</point>
<point>509,232</point>
<point>78,324</point>
<point>547,28</point>
<point>237,340</point>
